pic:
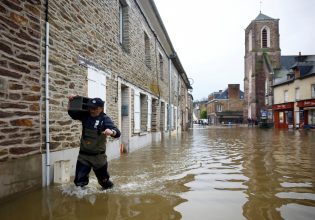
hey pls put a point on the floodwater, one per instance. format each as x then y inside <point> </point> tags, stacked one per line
<point>207,173</point>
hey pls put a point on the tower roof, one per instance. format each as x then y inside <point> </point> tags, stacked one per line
<point>262,17</point>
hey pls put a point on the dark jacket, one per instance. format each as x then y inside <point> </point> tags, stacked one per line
<point>92,139</point>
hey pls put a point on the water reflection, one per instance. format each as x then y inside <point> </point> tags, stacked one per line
<point>222,173</point>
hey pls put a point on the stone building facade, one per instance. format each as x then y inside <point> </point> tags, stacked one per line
<point>294,95</point>
<point>226,107</point>
<point>262,55</point>
<point>117,50</point>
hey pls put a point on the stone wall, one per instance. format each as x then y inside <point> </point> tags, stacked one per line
<point>82,34</point>
<point>20,84</point>
<point>256,72</point>
<point>76,31</point>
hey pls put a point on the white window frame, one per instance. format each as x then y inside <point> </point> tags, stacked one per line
<point>313,90</point>
<point>297,93</point>
<point>96,84</point>
<point>219,108</point>
<point>149,113</point>
<point>285,95</point>
<point>166,116</point>
<point>175,116</point>
<point>250,81</point>
<point>137,112</point>
<point>172,117</point>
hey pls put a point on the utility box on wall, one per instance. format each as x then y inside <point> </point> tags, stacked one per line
<point>124,110</point>
<point>62,171</point>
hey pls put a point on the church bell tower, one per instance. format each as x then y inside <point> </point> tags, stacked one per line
<point>262,56</point>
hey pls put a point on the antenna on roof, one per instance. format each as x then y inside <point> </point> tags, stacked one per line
<point>260,6</point>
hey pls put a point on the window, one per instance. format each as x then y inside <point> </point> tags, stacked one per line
<point>149,113</point>
<point>123,24</point>
<point>161,67</point>
<point>285,96</point>
<point>265,37</point>
<point>175,118</point>
<point>311,118</point>
<point>96,84</point>
<point>313,91</point>
<point>166,117</point>
<point>289,117</point>
<point>219,108</point>
<point>281,117</point>
<point>144,112</point>
<point>137,108</point>
<point>250,82</point>
<point>297,93</point>
<point>147,50</point>
<point>266,92</point>
<point>172,117</point>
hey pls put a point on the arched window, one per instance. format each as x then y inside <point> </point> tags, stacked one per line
<point>265,37</point>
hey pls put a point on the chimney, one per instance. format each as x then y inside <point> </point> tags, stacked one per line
<point>300,53</point>
<point>234,91</point>
<point>297,73</point>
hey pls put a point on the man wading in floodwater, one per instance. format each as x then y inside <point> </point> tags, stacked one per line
<point>96,126</point>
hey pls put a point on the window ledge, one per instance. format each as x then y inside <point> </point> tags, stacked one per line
<point>142,133</point>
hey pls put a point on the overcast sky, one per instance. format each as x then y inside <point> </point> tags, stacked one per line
<point>208,35</point>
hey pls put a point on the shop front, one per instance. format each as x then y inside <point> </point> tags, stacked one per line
<point>283,115</point>
<point>307,113</point>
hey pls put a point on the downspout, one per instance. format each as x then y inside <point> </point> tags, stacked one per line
<point>47,95</point>
<point>169,96</point>
<point>177,113</point>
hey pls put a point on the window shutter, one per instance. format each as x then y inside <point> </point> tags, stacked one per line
<point>175,117</point>
<point>166,119</point>
<point>172,117</point>
<point>137,111</point>
<point>149,113</point>
<point>96,84</point>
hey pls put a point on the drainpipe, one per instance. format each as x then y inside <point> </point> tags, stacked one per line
<point>47,95</point>
<point>177,113</point>
<point>169,96</point>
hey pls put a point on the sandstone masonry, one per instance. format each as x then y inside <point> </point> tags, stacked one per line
<point>124,43</point>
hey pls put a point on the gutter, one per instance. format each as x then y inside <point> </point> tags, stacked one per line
<point>47,141</point>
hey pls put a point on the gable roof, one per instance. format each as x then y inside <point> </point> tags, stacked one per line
<point>225,94</point>
<point>305,64</point>
<point>262,17</point>
<point>287,61</point>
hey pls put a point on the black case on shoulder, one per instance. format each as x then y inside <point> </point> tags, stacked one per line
<point>79,103</point>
